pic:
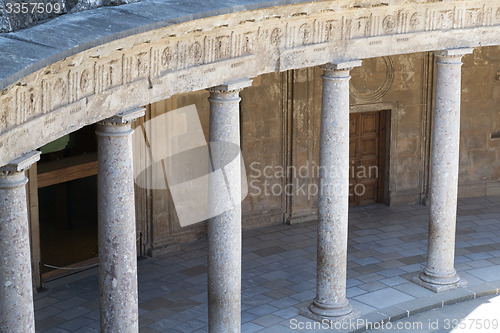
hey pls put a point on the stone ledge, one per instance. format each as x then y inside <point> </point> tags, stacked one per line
<point>22,163</point>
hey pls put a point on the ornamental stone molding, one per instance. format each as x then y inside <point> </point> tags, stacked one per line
<point>375,95</point>
<point>108,60</point>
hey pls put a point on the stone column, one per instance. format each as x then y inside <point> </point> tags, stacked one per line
<point>117,228</point>
<point>440,273</point>
<point>333,202</point>
<point>16,291</point>
<point>224,230</point>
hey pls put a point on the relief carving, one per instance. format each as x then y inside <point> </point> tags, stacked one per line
<point>305,32</point>
<point>363,26</point>
<point>142,64</point>
<point>346,28</point>
<point>135,66</point>
<point>195,52</point>
<point>6,114</point>
<point>61,88</point>
<point>85,82</point>
<point>50,92</point>
<point>445,19</point>
<point>474,17</point>
<point>28,103</point>
<point>376,92</point>
<point>333,30</point>
<point>222,47</point>
<point>247,42</point>
<point>388,24</point>
<point>167,58</point>
<point>72,84</point>
<point>108,74</point>
<point>415,21</point>
<point>276,36</point>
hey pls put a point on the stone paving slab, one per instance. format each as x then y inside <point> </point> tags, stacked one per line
<point>279,279</point>
<point>470,316</point>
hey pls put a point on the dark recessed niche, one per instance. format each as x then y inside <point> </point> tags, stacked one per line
<point>495,135</point>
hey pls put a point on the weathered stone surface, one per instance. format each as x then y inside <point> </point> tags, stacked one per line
<point>444,170</point>
<point>333,197</point>
<point>82,5</point>
<point>19,14</point>
<point>16,301</point>
<point>4,18</point>
<point>280,125</point>
<point>171,48</point>
<point>224,230</point>
<point>72,31</point>
<point>117,228</point>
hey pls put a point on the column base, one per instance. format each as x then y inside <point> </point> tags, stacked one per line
<point>427,282</point>
<point>349,313</point>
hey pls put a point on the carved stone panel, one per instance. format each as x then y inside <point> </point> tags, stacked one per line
<point>154,65</point>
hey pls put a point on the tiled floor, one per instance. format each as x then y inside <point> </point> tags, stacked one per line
<point>387,246</point>
<point>477,315</point>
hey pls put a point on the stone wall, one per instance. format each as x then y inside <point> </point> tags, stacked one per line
<point>280,121</point>
<point>480,126</point>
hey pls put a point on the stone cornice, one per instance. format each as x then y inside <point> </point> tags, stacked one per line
<point>21,163</point>
<point>96,82</point>
<point>231,87</point>
<point>124,118</point>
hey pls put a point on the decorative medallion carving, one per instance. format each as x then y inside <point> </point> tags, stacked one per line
<point>196,52</point>
<point>305,33</point>
<point>389,23</point>
<point>85,81</point>
<point>276,36</point>
<point>167,57</point>
<point>415,21</point>
<point>373,94</point>
<point>61,87</point>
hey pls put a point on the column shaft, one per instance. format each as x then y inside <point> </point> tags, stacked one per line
<point>444,170</point>
<point>333,202</point>
<point>117,227</point>
<point>224,230</point>
<point>16,293</point>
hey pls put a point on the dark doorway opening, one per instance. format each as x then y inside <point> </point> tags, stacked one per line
<point>67,203</point>
<point>68,222</point>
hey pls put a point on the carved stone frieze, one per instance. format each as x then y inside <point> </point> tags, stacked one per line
<point>141,69</point>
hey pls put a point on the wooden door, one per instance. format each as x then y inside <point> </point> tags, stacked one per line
<point>366,157</point>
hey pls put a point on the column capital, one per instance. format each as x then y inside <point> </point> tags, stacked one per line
<point>341,66</point>
<point>231,86</point>
<point>125,117</point>
<point>21,163</point>
<point>454,53</point>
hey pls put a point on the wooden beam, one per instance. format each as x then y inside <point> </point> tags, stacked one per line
<point>64,170</point>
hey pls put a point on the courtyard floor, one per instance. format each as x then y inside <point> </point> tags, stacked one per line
<point>387,247</point>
